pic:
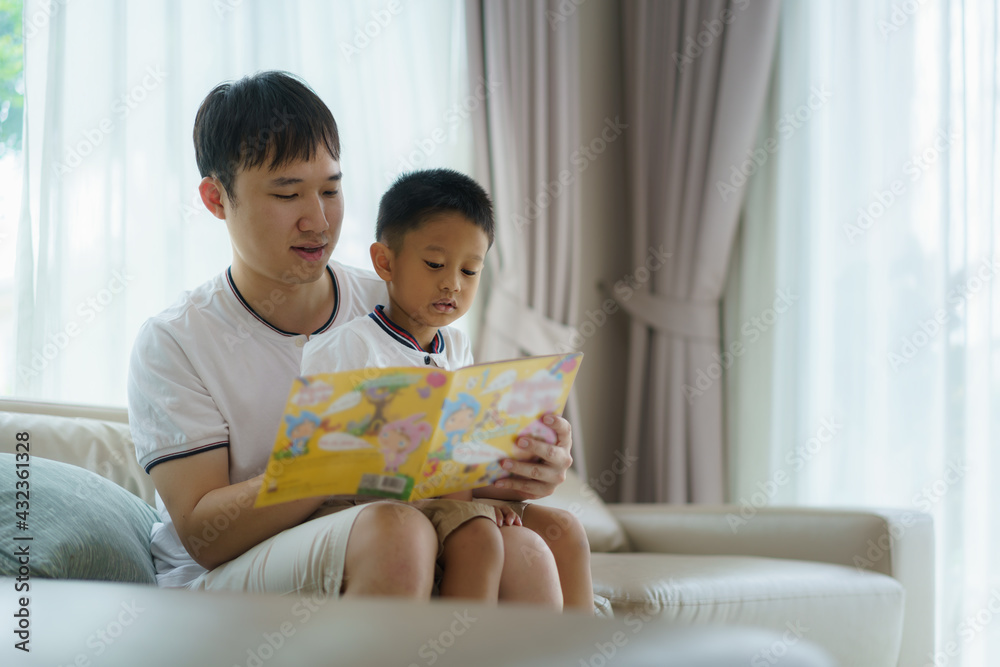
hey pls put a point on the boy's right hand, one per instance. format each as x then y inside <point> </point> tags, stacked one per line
<point>506,516</point>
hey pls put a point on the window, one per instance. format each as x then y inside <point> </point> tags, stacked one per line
<point>883,377</point>
<point>11,120</point>
<point>116,228</point>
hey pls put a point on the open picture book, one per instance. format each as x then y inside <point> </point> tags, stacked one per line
<point>413,432</point>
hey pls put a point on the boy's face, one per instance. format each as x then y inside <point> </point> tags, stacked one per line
<point>433,277</point>
<point>287,221</point>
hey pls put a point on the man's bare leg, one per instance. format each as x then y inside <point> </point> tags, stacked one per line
<point>391,551</point>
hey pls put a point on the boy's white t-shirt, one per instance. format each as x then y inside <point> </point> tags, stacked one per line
<point>210,372</point>
<point>375,340</point>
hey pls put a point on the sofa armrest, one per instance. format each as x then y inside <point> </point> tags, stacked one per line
<point>898,543</point>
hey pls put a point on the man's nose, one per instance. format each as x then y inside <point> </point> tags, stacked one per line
<point>313,218</point>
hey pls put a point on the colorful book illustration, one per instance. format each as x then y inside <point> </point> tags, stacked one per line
<point>411,433</point>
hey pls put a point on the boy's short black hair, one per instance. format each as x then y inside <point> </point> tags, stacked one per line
<point>271,117</point>
<point>417,195</point>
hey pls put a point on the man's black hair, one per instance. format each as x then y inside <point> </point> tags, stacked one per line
<point>269,117</point>
<point>417,195</point>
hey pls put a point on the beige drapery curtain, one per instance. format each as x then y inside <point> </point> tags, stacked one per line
<point>696,75</point>
<point>524,56</point>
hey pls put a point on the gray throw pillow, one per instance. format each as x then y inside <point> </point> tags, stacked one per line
<point>82,526</point>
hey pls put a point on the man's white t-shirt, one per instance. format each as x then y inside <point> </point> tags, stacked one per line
<point>374,340</point>
<point>210,372</point>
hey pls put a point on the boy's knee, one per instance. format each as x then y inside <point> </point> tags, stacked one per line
<point>480,529</point>
<point>477,538</point>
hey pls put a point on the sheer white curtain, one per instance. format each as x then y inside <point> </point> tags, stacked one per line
<point>866,287</point>
<point>111,230</point>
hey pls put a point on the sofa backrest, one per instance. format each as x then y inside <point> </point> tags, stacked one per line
<point>95,438</point>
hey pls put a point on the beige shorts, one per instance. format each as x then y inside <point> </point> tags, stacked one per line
<point>304,559</point>
<point>447,515</point>
<point>309,558</point>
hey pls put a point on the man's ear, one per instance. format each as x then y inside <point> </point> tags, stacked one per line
<point>382,259</point>
<point>212,196</point>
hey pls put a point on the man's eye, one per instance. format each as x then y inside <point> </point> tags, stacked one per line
<point>433,265</point>
<point>331,193</point>
<point>286,197</point>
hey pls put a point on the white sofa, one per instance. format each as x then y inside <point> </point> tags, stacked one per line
<point>857,583</point>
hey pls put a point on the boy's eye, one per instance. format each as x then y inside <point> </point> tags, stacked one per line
<point>469,272</point>
<point>433,265</point>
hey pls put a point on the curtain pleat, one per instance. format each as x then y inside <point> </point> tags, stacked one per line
<point>694,113</point>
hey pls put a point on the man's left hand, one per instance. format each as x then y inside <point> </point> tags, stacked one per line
<point>540,470</point>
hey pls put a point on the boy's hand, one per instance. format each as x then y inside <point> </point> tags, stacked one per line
<point>540,470</point>
<point>506,516</point>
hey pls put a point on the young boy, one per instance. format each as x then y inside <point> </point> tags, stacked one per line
<point>433,231</point>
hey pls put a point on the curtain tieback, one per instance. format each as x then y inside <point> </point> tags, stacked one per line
<point>677,317</point>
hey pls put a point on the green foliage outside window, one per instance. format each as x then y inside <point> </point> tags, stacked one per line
<point>11,75</point>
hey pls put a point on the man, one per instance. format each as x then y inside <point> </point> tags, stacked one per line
<point>209,376</point>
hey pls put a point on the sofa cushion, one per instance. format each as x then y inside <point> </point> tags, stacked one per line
<point>81,525</point>
<point>576,497</point>
<point>99,445</point>
<point>849,612</point>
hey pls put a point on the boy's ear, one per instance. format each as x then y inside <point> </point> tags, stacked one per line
<point>382,258</point>
<point>212,196</point>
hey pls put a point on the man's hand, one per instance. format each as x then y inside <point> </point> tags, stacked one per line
<point>540,470</point>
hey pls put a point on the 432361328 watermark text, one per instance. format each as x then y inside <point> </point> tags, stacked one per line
<point>22,541</point>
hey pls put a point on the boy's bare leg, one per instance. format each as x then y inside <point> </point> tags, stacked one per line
<point>391,551</point>
<point>473,561</point>
<point>529,570</point>
<point>565,537</point>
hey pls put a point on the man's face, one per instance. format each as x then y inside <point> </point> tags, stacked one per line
<point>286,222</point>
<point>435,274</point>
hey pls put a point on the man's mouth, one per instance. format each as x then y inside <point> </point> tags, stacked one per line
<point>310,252</point>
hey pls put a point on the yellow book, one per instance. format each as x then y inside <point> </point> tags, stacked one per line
<point>413,432</point>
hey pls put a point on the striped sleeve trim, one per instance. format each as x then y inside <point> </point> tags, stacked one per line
<point>180,455</point>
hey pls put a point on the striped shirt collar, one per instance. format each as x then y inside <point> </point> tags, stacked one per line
<point>326,325</point>
<point>401,335</point>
